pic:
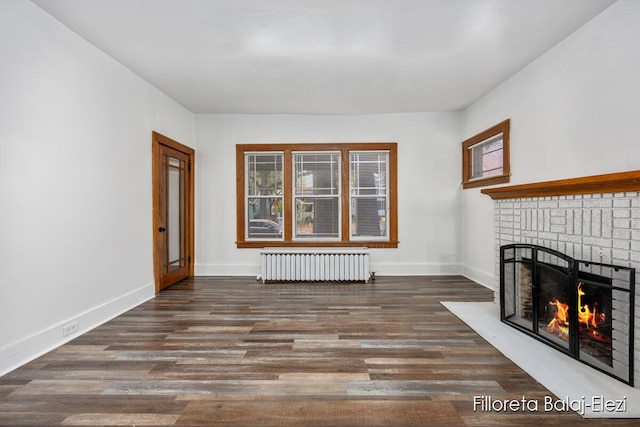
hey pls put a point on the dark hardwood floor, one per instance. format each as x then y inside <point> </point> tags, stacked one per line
<point>234,352</point>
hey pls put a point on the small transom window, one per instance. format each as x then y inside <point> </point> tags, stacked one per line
<point>485,157</point>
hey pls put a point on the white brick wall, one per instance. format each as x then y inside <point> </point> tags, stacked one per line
<point>601,228</point>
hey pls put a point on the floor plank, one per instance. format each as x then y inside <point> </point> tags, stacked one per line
<point>228,351</point>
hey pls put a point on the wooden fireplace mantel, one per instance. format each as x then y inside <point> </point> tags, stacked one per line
<point>608,183</point>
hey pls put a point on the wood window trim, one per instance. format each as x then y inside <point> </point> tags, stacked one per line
<point>467,181</point>
<point>288,149</point>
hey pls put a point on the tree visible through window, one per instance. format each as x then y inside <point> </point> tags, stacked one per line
<point>264,195</point>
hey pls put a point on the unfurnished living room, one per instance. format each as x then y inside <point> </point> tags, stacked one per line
<point>319,212</point>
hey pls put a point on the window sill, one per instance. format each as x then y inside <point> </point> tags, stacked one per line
<point>352,244</point>
<point>483,182</point>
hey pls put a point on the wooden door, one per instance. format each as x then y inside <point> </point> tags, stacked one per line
<point>172,211</point>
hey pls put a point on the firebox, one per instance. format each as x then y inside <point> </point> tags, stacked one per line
<point>581,308</point>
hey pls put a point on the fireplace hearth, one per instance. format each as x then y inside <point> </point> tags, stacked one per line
<point>583,309</point>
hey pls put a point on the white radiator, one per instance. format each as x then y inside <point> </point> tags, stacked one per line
<point>315,264</point>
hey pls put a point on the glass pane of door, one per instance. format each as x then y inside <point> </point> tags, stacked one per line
<point>173,214</point>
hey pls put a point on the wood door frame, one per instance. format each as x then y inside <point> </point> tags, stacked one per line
<point>159,140</point>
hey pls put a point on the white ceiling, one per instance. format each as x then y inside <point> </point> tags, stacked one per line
<point>324,56</point>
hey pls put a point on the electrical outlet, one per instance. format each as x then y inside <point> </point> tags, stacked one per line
<point>69,329</point>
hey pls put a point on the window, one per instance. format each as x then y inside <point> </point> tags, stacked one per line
<point>369,201</point>
<point>264,195</point>
<point>485,157</point>
<point>317,195</point>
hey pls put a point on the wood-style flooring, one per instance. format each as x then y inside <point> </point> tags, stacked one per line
<point>235,352</point>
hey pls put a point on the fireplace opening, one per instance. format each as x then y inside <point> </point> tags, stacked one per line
<point>580,308</point>
<point>594,307</point>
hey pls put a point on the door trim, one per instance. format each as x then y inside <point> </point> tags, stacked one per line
<point>159,140</point>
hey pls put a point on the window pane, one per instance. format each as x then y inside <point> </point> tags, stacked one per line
<point>264,174</point>
<point>317,195</point>
<point>486,158</point>
<point>317,174</point>
<point>368,175</point>
<point>265,218</point>
<point>317,217</point>
<point>264,195</point>
<point>368,188</point>
<point>368,217</point>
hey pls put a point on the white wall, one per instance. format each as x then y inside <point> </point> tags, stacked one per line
<point>75,168</point>
<point>428,184</point>
<point>574,112</point>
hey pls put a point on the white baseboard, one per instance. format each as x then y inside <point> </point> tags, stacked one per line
<point>382,269</point>
<point>227,269</point>
<point>16,354</point>
<point>480,277</point>
<point>378,268</point>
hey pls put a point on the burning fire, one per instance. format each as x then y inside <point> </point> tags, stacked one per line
<point>588,319</point>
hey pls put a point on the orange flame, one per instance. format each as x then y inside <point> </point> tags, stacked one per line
<point>588,319</point>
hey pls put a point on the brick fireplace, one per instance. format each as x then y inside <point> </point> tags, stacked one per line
<point>593,219</point>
